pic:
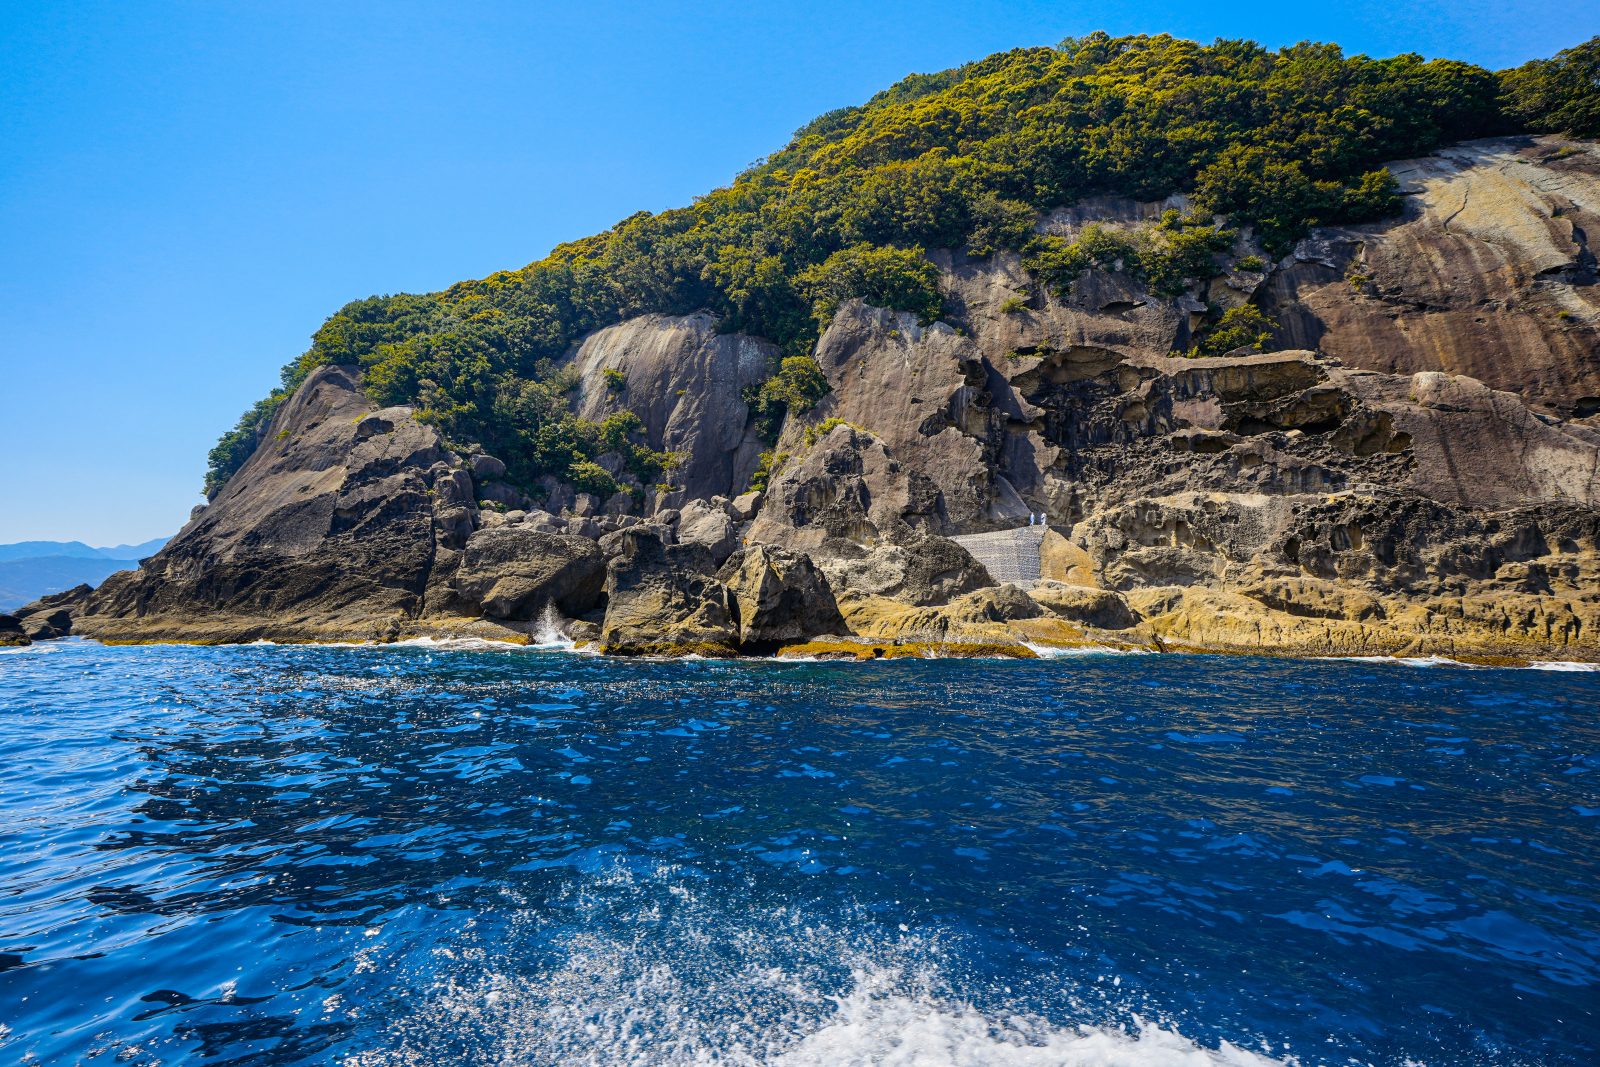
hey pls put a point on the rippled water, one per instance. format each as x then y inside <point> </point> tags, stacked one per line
<point>418,856</point>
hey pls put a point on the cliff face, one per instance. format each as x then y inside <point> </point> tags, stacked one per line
<point>686,382</point>
<point>1417,471</point>
<point>1490,275</point>
<point>329,532</point>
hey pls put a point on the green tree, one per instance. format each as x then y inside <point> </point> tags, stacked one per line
<point>1560,95</point>
<point>797,387</point>
<point>897,278</point>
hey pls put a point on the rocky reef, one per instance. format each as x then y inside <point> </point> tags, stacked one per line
<point>1415,470</point>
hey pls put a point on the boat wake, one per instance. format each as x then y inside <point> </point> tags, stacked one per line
<point>644,969</point>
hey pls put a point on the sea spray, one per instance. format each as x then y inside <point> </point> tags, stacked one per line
<point>551,630</point>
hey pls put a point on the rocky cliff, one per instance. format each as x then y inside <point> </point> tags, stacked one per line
<point>1413,467</point>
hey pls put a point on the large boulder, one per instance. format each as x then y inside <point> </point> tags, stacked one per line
<point>847,486</point>
<point>1099,608</point>
<point>704,523</point>
<point>778,597</point>
<point>664,599</point>
<point>1480,446</point>
<point>514,572</point>
<point>922,571</point>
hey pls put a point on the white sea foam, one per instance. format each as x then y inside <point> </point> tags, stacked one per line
<point>1083,651</point>
<point>549,633</point>
<point>515,1025</point>
<point>907,1032</point>
<point>657,968</point>
<point>1407,661</point>
<point>1445,661</point>
<point>35,649</point>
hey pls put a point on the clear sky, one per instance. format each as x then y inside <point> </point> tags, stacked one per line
<point>188,189</point>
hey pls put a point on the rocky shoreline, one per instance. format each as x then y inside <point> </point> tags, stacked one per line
<point>1420,476</point>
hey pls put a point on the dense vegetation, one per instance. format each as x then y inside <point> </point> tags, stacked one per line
<point>963,158</point>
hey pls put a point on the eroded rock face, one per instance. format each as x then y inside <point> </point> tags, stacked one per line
<point>778,597</point>
<point>664,599</point>
<point>847,486</point>
<point>686,382</point>
<point>326,533</point>
<point>1491,274</point>
<point>515,572</point>
<point>1470,444</point>
<point>1423,476</point>
<point>918,390</point>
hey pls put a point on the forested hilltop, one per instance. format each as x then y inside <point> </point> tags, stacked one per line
<point>967,158</point>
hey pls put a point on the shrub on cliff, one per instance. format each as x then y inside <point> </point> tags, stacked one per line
<point>1166,256</point>
<point>898,278</point>
<point>1245,326</point>
<point>797,387</point>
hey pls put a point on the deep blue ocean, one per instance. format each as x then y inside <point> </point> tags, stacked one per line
<point>419,855</point>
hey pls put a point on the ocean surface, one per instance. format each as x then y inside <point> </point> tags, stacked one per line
<point>426,855</point>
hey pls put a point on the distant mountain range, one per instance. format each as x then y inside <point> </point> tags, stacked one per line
<point>32,569</point>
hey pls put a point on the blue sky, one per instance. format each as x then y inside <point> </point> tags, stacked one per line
<point>188,189</point>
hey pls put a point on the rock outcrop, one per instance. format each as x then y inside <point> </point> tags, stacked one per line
<point>664,599</point>
<point>778,598</point>
<point>517,573</point>
<point>847,487</point>
<point>1490,275</point>
<point>1416,471</point>
<point>328,532</point>
<point>11,633</point>
<point>51,616</point>
<point>687,384</point>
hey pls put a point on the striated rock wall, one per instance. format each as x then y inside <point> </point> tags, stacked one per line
<point>686,382</point>
<point>328,531</point>
<point>1491,274</point>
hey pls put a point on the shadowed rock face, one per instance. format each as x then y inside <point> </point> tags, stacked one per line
<point>514,572</point>
<point>1422,477</point>
<point>11,632</point>
<point>778,597</point>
